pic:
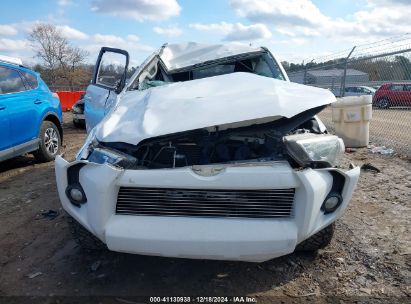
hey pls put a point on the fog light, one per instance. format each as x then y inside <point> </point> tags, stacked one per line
<point>331,203</point>
<point>76,194</point>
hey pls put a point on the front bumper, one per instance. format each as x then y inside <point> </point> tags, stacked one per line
<point>78,117</point>
<point>242,239</point>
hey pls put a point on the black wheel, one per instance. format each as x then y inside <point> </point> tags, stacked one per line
<point>383,103</point>
<point>318,241</point>
<point>50,142</point>
<point>83,237</point>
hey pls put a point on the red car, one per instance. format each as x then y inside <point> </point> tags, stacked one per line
<point>393,95</point>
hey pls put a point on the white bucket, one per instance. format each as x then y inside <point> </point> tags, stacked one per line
<point>351,117</point>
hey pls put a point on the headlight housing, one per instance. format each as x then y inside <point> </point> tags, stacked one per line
<point>76,109</point>
<point>112,157</point>
<point>321,150</point>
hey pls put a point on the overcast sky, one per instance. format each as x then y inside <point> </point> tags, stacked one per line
<point>292,29</point>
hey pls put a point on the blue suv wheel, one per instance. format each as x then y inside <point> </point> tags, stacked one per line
<point>50,142</point>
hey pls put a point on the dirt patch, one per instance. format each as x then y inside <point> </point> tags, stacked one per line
<point>369,257</point>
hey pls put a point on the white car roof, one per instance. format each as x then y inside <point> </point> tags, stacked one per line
<point>177,56</point>
<point>12,60</point>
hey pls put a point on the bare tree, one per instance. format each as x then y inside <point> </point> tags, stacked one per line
<point>61,61</point>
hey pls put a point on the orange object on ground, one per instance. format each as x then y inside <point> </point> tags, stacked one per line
<point>68,99</point>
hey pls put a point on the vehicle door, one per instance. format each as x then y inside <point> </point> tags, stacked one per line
<point>361,91</point>
<point>396,96</point>
<point>407,95</point>
<point>20,104</point>
<point>40,100</point>
<point>108,80</point>
<point>4,120</point>
<point>347,91</point>
<point>4,126</point>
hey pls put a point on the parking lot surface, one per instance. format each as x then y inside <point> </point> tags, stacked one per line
<point>369,257</point>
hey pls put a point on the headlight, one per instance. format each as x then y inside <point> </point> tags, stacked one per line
<point>320,149</point>
<point>112,157</point>
<point>76,109</point>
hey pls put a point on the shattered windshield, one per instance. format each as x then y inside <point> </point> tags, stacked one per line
<point>261,64</point>
<point>258,65</point>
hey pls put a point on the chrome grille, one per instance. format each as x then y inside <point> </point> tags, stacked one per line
<point>266,203</point>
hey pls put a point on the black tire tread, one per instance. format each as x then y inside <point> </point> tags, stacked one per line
<point>318,241</point>
<point>41,155</point>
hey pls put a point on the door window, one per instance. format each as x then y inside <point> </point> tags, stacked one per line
<point>111,69</point>
<point>362,90</point>
<point>396,88</point>
<point>10,81</point>
<point>407,87</point>
<point>31,80</point>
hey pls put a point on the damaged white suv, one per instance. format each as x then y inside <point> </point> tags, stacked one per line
<point>206,152</point>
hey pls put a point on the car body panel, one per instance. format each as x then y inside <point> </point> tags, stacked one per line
<point>23,113</point>
<point>4,127</point>
<point>359,91</point>
<point>78,112</point>
<point>79,117</point>
<point>94,106</point>
<point>100,100</point>
<point>215,105</point>
<point>25,110</point>
<point>244,239</point>
<point>397,94</point>
<point>203,103</point>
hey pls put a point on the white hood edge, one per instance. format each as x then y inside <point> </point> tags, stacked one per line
<point>227,101</point>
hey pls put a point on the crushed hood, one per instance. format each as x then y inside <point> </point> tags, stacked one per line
<point>227,101</point>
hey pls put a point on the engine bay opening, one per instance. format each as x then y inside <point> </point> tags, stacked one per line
<point>209,149</point>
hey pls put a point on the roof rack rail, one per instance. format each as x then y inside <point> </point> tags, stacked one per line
<point>12,60</point>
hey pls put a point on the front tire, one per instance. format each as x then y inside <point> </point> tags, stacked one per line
<point>317,241</point>
<point>50,142</point>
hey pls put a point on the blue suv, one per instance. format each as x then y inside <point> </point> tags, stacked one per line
<point>30,114</point>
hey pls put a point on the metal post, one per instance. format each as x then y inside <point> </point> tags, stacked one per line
<point>305,72</point>
<point>342,92</point>
<point>305,75</point>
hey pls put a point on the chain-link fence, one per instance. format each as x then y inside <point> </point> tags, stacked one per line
<point>381,69</point>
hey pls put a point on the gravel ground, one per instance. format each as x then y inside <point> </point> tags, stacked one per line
<point>367,261</point>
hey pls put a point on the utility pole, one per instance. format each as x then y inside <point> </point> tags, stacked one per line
<point>342,92</point>
<point>305,71</point>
